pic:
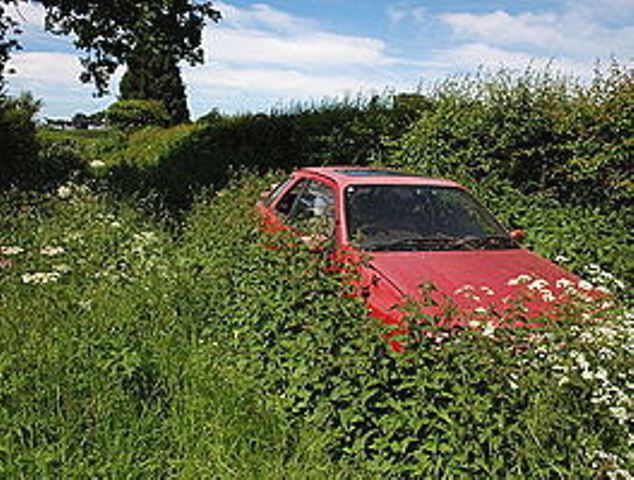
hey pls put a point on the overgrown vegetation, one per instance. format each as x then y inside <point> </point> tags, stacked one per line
<point>134,348</point>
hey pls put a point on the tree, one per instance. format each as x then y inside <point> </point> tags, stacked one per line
<point>151,36</point>
<point>112,32</point>
<point>153,76</point>
<point>8,30</point>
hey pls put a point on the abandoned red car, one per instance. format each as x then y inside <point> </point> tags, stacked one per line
<point>416,231</point>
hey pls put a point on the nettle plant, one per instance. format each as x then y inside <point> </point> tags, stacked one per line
<point>473,393</point>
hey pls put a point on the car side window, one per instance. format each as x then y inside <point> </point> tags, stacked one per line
<point>314,209</point>
<point>276,191</point>
<point>285,205</point>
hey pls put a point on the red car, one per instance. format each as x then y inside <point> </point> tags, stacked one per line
<point>417,231</point>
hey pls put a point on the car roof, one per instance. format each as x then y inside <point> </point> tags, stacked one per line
<point>345,175</point>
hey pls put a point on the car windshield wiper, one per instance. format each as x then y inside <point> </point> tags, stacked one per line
<point>412,243</point>
<point>443,243</point>
<point>490,241</point>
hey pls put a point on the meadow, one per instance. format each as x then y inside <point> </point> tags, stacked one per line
<point>147,332</point>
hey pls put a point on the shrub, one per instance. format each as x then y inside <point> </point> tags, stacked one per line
<point>18,144</point>
<point>103,369</point>
<point>353,131</point>
<point>538,131</point>
<point>135,114</point>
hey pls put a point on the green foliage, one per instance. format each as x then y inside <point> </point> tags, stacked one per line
<point>17,138</point>
<point>8,30</point>
<point>473,407</point>
<point>212,116</point>
<point>155,75</point>
<point>352,131</point>
<point>135,114</point>
<point>129,349</point>
<point>133,352</point>
<point>110,32</point>
<point>540,132</point>
<point>102,371</point>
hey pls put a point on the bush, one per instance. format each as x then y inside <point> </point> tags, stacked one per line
<point>548,155</point>
<point>538,131</point>
<point>18,144</point>
<point>135,114</point>
<point>350,131</point>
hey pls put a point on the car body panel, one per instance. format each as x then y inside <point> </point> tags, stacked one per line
<point>472,279</point>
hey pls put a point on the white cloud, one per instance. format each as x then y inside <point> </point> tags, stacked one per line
<point>305,49</point>
<point>470,56</point>
<point>282,82</point>
<point>261,16</point>
<point>259,56</point>
<point>573,32</point>
<point>261,51</point>
<point>29,14</point>
<point>406,12</point>
<point>53,68</point>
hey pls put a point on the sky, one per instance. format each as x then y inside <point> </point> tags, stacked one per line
<point>270,54</point>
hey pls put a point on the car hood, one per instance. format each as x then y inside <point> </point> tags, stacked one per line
<point>486,275</point>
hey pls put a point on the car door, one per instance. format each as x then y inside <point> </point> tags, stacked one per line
<point>309,208</point>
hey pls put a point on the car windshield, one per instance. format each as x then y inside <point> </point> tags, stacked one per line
<point>420,218</point>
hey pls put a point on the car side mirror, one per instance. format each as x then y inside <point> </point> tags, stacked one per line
<point>518,235</point>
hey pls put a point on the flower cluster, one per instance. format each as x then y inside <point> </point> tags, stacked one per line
<point>9,251</point>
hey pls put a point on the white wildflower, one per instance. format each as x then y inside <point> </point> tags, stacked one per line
<point>96,164</point>
<point>601,374</point>
<point>489,330</point>
<point>115,224</point>
<point>480,310</point>
<point>41,278</point>
<point>488,291</point>
<point>620,414</point>
<point>587,375</point>
<point>585,285</point>
<point>61,268</point>
<point>564,283</point>
<point>561,259</point>
<point>64,192</point>
<point>11,250</point>
<point>547,295</point>
<point>520,279</point>
<point>464,289</point>
<point>537,284</point>
<point>51,251</point>
<point>606,275</point>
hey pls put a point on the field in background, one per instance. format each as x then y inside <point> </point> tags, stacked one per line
<point>143,335</point>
